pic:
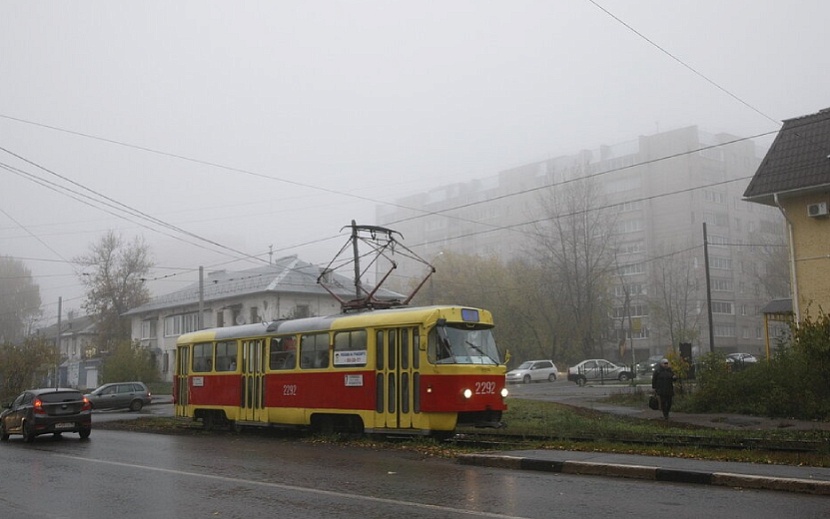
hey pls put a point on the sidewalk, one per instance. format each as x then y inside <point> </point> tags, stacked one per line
<point>807,480</point>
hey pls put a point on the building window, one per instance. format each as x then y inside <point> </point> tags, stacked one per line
<point>722,285</point>
<point>629,226</point>
<point>636,311</point>
<point>720,263</point>
<point>632,247</point>
<point>634,289</point>
<point>148,329</point>
<point>717,240</point>
<point>631,270</point>
<point>254,315</point>
<point>722,307</point>
<point>175,325</point>
<point>724,330</point>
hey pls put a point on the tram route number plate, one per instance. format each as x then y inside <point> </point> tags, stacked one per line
<point>354,380</point>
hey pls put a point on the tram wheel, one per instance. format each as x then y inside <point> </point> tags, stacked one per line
<point>208,422</point>
<point>325,425</point>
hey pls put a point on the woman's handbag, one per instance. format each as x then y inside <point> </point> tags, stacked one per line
<point>654,402</point>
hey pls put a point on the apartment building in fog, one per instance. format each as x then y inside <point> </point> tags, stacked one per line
<point>663,188</point>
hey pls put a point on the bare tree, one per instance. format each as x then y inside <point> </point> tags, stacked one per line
<point>675,296</point>
<point>19,300</point>
<point>575,249</point>
<point>772,272</point>
<point>113,275</point>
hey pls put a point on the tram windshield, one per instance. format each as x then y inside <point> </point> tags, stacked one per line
<point>462,345</point>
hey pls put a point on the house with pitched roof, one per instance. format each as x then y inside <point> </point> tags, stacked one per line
<point>80,363</point>
<point>794,176</point>
<point>286,289</point>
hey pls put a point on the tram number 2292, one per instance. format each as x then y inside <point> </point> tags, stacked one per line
<point>289,390</point>
<point>485,388</point>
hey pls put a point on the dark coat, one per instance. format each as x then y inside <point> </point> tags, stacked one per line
<point>662,381</point>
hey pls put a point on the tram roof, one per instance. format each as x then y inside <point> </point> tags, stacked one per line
<point>388,316</point>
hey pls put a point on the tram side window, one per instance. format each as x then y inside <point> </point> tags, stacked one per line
<point>350,348</point>
<point>282,353</point>
<point>314,351</point>
<point>226,356</point>
<point>203,357</point>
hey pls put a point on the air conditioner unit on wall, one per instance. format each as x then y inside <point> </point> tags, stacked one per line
<point>819,209</point>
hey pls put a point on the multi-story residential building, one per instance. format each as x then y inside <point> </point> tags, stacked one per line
<point>661,189</point>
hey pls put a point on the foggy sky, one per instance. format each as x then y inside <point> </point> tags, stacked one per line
<point>274,124</point>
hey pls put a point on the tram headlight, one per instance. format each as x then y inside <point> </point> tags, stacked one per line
<point>504,392</point>
<point>468,393</point>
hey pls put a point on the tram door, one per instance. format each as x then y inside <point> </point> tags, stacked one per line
<point>253,385</point>
<point>182,385</point>
<point>396,372</point>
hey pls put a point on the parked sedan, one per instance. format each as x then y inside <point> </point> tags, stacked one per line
<point>121,395</point>
<point>647,367</point>
<point>739,361</point>
<point>533,371</point>
<point>47,411</point>
<point>598,369</point>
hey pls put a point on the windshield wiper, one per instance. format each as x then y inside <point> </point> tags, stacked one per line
<point>473,346</point>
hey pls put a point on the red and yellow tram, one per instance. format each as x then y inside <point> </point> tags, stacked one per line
<point>419,370</point>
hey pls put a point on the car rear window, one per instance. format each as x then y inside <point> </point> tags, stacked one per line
<point>60,396</point>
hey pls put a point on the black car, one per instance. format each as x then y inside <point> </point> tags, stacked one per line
<point>47,411</point>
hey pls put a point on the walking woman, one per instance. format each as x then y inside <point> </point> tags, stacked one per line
<point>662,382</point>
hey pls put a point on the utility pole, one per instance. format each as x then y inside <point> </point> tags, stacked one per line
<point>201,320</point>
<point>58,345</point>
<point>708,291</point>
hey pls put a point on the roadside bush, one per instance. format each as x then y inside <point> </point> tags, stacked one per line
<point>795,383</point>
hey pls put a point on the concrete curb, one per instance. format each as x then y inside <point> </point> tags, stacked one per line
<point>723,479</point>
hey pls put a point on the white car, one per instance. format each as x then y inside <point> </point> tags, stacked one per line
<point>598,369</point>
<point>533,371</point>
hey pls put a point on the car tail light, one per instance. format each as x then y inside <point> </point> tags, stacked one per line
<point>87,405</point>
<point>37,404</point>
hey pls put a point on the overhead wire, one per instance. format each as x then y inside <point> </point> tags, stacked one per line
<point>682,63</point>
<point>112,203</point>
<point>424,213</point>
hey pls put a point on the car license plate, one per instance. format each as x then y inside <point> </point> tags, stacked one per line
<point>64,425</point>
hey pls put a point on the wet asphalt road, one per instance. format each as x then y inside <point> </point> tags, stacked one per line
<point>139,475</point>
